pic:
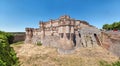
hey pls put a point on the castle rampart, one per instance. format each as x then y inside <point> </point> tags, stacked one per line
<point>64,33</point>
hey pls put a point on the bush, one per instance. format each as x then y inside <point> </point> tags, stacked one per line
<point>7,54</point>
<point>39,43</point>
<point>104,63</point>
<point>9,36</point>
<point>116,63</point>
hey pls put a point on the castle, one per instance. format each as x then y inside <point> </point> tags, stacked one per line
<point>65,33</point>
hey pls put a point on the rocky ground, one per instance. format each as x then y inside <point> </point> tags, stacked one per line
<point>33,55</point>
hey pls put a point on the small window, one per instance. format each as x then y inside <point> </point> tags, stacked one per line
<point>62,35</point>
<point>52,34</point>
<point>68,35</point>
<point>74,39</point>
<point>72,36</point>
<point>79,35</point>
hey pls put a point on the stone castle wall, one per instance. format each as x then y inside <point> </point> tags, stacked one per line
<point>64,33</point>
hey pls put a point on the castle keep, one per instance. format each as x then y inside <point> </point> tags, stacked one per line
<point>65,33</point>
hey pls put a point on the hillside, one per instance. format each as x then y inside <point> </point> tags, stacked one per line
<point>33,55</point>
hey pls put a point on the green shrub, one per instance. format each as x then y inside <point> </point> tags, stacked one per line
<point>7,54</point>
<point>39,43</point>
<point>116,63</point>
<point>2,63</point>
<point>9,36</point>
<point>104,63</point>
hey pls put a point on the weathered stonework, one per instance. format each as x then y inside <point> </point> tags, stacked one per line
<point>64,33</point>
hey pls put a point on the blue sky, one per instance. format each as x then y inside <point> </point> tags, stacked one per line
<point>15,15</point>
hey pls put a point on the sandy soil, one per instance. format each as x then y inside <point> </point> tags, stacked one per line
<point>33,55</point>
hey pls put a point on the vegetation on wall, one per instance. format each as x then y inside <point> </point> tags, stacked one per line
<point>7,54</point>
<point>113,26</point>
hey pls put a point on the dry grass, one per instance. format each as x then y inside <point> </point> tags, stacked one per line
<point>32,55</point>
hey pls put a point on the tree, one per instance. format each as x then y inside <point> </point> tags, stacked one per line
<point>113,26</point>
<point>106,26</point>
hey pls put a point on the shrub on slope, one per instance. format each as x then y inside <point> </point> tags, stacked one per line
<point>7,54</point>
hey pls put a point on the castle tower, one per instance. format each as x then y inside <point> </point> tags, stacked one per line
<point>51,27</point>
<point>42,28</point>
<point>29,35</point>
<point>65,31</point>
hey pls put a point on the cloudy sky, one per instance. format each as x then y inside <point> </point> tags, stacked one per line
<point>15,15</point>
